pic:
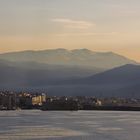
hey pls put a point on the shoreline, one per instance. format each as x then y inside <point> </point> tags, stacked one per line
<point>95,108</point>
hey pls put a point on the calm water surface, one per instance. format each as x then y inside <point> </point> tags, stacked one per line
<point>81,125</point>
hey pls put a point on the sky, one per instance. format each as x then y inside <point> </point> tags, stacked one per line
<point>98,25</point>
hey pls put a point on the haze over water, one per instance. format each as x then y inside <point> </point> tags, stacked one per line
<point>81,125</point>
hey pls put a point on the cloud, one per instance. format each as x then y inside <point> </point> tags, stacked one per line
<point>75,24</point>
<point>88,34</point>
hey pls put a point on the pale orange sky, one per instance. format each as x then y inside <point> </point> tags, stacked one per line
<point>105,25</point>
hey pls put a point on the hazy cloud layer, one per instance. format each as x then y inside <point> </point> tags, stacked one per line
<point>77,24</point>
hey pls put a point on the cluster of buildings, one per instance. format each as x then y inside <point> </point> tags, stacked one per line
<point>7,100</point>
<point>30,100</point>
<point>23,100</point>
<point>61,103</point>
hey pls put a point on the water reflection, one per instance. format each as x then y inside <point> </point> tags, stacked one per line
<point>81,125</point>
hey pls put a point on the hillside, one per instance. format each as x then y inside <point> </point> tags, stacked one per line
<point>27,74</point>
<point>123,81</point>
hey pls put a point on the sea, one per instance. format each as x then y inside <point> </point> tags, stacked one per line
<point>69,125</point>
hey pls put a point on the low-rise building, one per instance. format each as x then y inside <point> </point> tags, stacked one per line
<point>38,99</point>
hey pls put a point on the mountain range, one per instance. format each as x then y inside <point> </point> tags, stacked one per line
<point>70,72</point>
<point>80,57</point>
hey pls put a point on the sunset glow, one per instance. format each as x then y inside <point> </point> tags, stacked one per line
<point>98,25</point>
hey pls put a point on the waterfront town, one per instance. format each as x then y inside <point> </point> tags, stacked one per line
<point>24,100</point>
